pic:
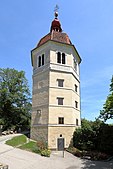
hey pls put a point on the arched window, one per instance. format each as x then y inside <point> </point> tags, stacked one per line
<point>43,59</point>
<point>58,57</point>
<point>63,58</point>
<point>39,61</point>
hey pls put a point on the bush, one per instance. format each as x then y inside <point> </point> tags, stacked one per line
<point>41,148</point>
<point>98,156</point>
<point>92,155</point>
<point>105,143</point>
<point>46,153</point>
<point>75,151</point>
<point>42,145</point>
<point>94,136</point>
<point>36,150</point>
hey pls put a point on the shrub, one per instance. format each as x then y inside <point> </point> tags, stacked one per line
<point>36,150</point>
<point>46,153</point>
<point>41,145</point>
<point>105,143</point>
<point>41,148</point>
<point>92,155</point>
<point>98,156</point>
<point>94,136</point>
<point>75,151</point>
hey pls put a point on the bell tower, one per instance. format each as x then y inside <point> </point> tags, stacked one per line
<point>56,88</point>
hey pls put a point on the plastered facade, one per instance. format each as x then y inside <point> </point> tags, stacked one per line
<point>45,108</point>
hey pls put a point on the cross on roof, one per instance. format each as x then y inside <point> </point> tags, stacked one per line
<point>56,8</point>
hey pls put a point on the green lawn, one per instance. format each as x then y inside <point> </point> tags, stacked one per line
<point>28,146</point>
<point>16,141</point>
<point>21,142</point>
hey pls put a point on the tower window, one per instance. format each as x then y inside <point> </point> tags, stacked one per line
<point>60,82</point>
<point>60,100</point>
<point>63,58</point>
<point>76,104</point>
<point>76,88</point>
<point>75,65</point>
<point>43,59</point>
<point>58,57</point>
<point>76,122</point>
<point>39,61</point>
<point>61,120</point>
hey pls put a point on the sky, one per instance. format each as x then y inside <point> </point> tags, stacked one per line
<point>89,25</point>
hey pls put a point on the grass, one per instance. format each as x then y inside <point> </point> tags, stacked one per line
<point>28,146</point>
<point>16,141</point>
<point>21,142</point>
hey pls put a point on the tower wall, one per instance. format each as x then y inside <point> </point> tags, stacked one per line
<point>54,133</point>
<point>40,102</point>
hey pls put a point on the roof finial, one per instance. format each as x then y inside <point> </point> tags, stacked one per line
<point>56,10</point>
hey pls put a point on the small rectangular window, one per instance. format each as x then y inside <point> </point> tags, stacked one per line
<point>76,88</point>
<point>43,59</point>
<point>60,101</point>
<point>60,82</point>
<point>76,122</point>
<point>76,104</point>
<point>61,120</point>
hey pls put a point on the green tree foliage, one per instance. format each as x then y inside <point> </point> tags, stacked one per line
<point>94,136</point>
<point>15,99</point>
<point>85,138</point>
<point>105,139</point>
<point>107,112</point>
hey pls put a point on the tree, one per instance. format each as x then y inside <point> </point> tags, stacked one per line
<point>107,112</point>
<point>86,137</point>
<point>83,136</point>
<point>94,136</point>
<point>15,105</point>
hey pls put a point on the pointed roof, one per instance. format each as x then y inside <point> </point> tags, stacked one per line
<point>55,34</point>
<point>55,25</point>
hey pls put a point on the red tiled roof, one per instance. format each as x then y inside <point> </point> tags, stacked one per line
<point>55,36</point>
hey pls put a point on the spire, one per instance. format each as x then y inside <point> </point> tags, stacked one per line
<point>56,11</point>
<point>55,25</point>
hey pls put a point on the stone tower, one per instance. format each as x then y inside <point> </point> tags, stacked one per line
<point>56,88</point>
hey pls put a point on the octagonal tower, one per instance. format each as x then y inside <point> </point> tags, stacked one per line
<point>56,88</point>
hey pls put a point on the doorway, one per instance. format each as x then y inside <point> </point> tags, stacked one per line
<point>60,144</point>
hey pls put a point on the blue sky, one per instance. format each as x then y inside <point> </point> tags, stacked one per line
<point>89,24</point>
